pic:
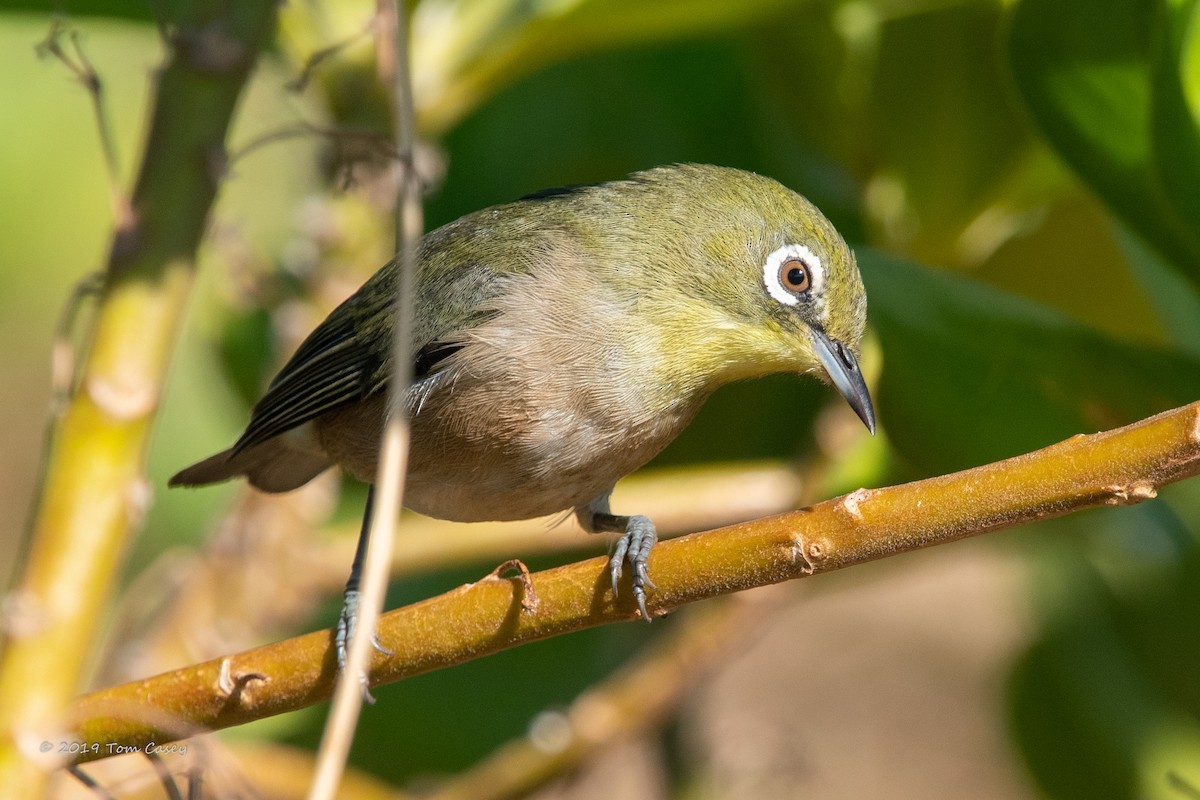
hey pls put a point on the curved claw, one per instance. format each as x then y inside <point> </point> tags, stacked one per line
<point>616,563</point>
<point>379,648</point>
<point>642,576</point>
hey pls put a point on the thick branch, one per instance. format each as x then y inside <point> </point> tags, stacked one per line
<point>1118,467</point>
<point>95,495</point>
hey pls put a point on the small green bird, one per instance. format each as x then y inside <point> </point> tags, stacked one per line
<point>563,340</point>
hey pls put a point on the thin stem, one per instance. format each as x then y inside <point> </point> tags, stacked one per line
<point>81,67</point>
<point>392,52</point>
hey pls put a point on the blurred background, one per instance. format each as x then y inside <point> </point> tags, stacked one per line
<point>1021,182</point>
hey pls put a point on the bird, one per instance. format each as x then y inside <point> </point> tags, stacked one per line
<point>561,341</point>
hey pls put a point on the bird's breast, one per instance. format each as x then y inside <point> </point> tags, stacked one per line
<point>500,448</point>
<point>553,401</point>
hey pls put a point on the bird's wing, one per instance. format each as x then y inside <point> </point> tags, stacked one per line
<point>347,358</point>
<point>330,369</point>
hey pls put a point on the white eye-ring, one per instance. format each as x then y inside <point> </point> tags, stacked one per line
<point>792,272</point>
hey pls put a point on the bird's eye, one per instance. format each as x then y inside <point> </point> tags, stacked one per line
<point>794,276</point>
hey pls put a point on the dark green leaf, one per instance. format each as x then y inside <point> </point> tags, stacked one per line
<point>1176,301</point>
<point>1176,139</point>
<point>1087,69</point>
<point>973,374</point>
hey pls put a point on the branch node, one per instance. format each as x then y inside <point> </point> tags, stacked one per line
<point>1129,495</point>
<point>121,402</point>
<point>806,553</point>
<point>231,685</point>
<point>529,598</point>
<point>21,615</point>
<point>813,553</point>
<point>850,503</point>
<point>551,732</point>
<point>138,496</point>
<point>212,48</point>
<point>39,747</point>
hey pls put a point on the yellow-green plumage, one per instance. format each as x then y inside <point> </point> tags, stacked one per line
<point>563,340</point>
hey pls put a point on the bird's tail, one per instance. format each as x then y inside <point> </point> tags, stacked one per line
<point>271,466</point>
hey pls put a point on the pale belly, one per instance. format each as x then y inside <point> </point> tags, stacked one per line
<point>480,453</point>
<point>561,459</point>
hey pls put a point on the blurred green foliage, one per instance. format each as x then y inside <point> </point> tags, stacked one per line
<point>1022,183</point>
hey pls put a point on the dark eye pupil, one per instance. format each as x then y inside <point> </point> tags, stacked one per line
<point>797,278</point>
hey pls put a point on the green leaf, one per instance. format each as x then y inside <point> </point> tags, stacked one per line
<point>936,73</point>
<point>1176,301</point>
<point>1103,80</point>
<point>973,374</point>
<point>1176,137</point>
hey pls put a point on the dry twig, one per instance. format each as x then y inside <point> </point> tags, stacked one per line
<point>388,490</point>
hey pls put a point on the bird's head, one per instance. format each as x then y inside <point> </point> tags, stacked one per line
<point>771,278</point>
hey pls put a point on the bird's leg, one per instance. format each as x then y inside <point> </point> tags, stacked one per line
<point>348,620</point>
<point>637,540</point>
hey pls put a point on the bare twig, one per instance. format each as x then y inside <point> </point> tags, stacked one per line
<point>62,354</point>
<point>90,783</point>
<point>165,779</point>
<point>368,141</point>
<point>1117,467</point>
<point>301,81</point>
<point>280,772</point>
<point>81,67</point>
<point>62,382</point>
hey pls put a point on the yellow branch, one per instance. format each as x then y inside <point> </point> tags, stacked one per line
<point>95,493</point>
<point>1118,467</point>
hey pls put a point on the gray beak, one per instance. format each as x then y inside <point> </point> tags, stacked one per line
<point>843,371</point>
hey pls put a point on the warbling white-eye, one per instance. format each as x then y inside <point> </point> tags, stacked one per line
<point>562,341</point>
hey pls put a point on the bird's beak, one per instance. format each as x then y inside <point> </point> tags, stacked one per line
<point>843,371</point>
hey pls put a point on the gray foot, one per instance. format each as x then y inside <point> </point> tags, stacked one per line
<point>346,625</point>
<point>633,548</point>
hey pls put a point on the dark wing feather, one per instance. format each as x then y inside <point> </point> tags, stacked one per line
<point>431,355</point>
<point>332,367</point>
<point>347,357</point>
